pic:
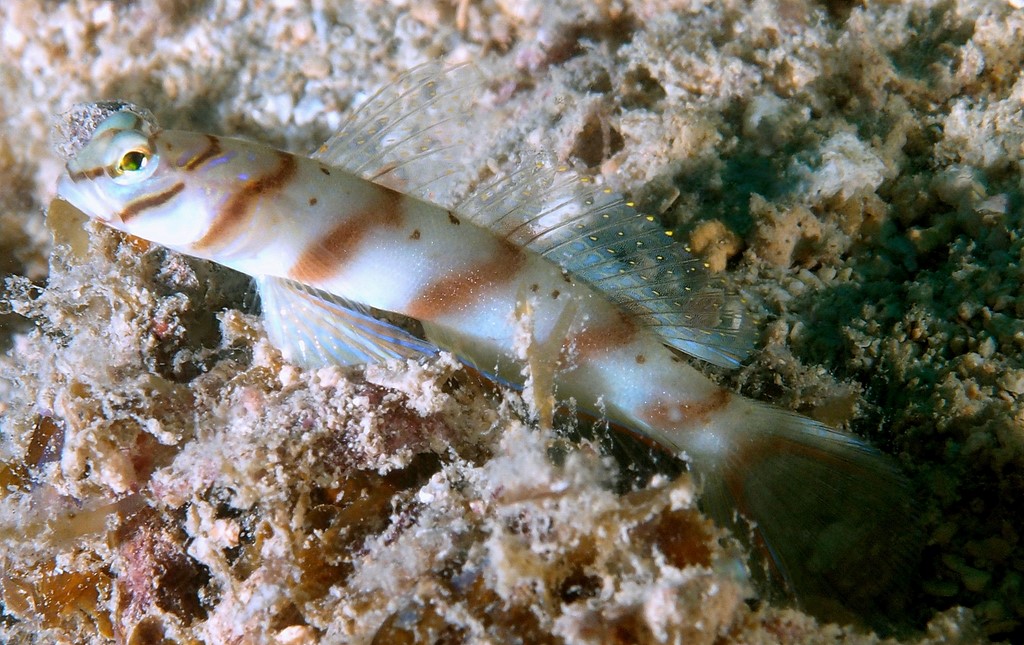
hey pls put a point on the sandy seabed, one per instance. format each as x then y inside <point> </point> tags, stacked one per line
<point>167,478</point>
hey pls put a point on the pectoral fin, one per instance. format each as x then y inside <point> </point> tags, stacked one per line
<point>314,328</point>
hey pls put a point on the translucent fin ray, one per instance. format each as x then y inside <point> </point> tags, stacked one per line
<point>411,135</point>
<point>313,328</point>
<point>599,238</point>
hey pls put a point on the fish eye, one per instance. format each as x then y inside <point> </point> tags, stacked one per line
<point>132,161</point>
<point>130,158</point>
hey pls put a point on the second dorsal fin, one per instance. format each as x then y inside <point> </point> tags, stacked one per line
<point>598,237</point>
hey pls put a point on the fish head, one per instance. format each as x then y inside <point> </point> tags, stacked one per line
<point>118,173</point>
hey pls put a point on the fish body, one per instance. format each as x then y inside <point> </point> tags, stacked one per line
<point>272,214</point>
<point>606,299</point>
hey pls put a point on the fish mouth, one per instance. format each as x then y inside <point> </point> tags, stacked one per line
<point>84,199</point>
<point>73,129</point>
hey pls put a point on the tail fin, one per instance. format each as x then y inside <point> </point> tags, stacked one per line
<point>834,514</point>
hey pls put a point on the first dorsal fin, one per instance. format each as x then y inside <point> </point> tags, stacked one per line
<point>413,135</point>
